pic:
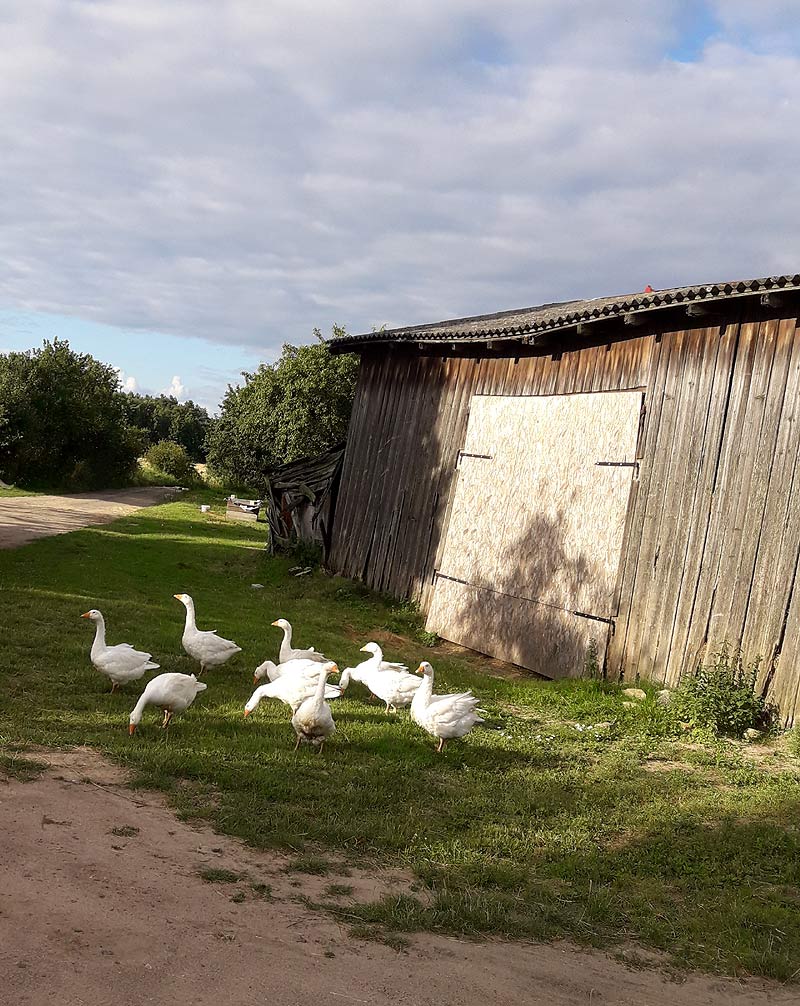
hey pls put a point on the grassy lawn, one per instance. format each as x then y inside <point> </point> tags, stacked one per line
<point>614,836</point>
<point>13,491</point>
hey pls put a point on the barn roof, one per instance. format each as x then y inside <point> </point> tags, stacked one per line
<point>526,324</point>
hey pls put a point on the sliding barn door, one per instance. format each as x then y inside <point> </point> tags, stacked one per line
<point>529,564</point>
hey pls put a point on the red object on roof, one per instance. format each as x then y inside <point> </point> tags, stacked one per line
<point>648,289</point>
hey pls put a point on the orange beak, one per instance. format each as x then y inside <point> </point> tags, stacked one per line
<point>419,670</point>
<point>86,614</point>
<point>255,680</point>
<point>132,729</point>
<point>178,597</point>
<point>276,625</point>
<point>335,669</point>
<point>247,712</point>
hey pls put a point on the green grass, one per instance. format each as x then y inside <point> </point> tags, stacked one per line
<point>216,875</point>
<point>530,828</point>
<point>315,865</point>
<point>22,769</point>
<point>14,491</point>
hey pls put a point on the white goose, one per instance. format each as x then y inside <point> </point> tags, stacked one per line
<point>294,689</point>
<point>273,671</point>
<point>204,646</point>
<point>443,716</point>
<point>120,663</point>
<point>288,652</point>
<point>375,663</point>
<point>395,688</point>
<point>171,692</point>
<point>312,720</point>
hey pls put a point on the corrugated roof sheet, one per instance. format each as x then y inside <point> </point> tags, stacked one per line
<point>551,317</point>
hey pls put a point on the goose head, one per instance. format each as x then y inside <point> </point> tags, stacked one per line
<point>281,623</point>
<point>425,668</point>
<point>372,648</point>
<point>93,614</point>
<point>185,599</point>
<point>252,702</point>
<point>262,671</point>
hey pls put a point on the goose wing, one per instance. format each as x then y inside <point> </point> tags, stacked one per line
<point>386,665</point>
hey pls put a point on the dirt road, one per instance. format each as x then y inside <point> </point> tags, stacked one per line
<point>25,518</point>
<point>102,903</point>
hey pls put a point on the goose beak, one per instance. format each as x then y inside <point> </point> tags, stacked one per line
<point>86,614</point>
<point>247,712</point>
<point>420,670</point>
<point>335,669</point>
<point>364,650</point>
<point>255,679</point>
<point>276,625</point>
<point>132,729</point>
<point>178,597</point>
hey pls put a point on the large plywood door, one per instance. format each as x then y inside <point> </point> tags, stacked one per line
<point>529,564</point>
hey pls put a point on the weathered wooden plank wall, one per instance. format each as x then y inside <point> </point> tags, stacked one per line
<point>409,422</point>
<point>713,533</point>
<point>712,556</point>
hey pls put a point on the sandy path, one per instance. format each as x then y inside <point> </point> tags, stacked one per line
<point>25,518</point>
<point>92,918</point>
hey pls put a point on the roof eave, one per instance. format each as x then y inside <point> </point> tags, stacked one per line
<point>697,301</point>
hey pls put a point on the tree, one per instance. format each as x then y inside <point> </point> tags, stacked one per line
<point>297,407</point>
<point>62,421</point>
<point>165,418</point>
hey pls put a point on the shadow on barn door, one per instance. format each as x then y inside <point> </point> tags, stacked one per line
<point>523,610</point>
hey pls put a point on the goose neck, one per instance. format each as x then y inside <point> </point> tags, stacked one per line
<point>99,634</point>
<point>319,694</point>
<point>138,710</point>
<point>191,625</point>
<point>422,696</point>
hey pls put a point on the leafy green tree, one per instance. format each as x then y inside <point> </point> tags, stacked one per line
<point>165,418</point>
<point>297,407</point>
<point>62,421</point>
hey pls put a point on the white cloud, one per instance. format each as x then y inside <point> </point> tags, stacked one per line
<point>244,172</point>
<point>176,388</point>
<point>127,381</point>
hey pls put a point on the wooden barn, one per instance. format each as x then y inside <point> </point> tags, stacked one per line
<point>613,480</point>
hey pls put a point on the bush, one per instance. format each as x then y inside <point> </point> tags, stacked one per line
<point>171,458</point>
<point>720,697</point>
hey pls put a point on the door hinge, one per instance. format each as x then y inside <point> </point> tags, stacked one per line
<point>467,454</point>
<point>593,618</point>
<point>620,464</point>
<point>437,575</point>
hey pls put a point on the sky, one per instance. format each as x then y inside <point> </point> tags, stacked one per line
<point>186,185</point>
